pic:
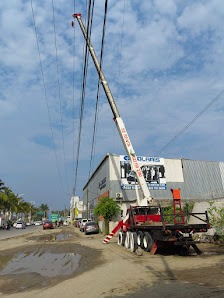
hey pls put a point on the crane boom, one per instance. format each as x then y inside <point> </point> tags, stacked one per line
<point>119,122</point>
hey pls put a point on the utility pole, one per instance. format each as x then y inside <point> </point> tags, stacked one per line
<point>87,204</point>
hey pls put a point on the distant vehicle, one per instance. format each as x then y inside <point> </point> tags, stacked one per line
<point>82,224</point>
<point>76,222</point>
<point>91,228</point>
<point>28,223</point>
<point>38,223</point>
<point>60,223</point>
<point>2,222</point>
<point>48,225</point>
<point>65,223</point>
<point>14,225</point>
<point>20,225</point>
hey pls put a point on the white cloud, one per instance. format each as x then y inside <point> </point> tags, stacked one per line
<point>171,67</point>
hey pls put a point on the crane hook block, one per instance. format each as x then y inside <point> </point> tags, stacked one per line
<point>72,24</point>
<point>77,15</point>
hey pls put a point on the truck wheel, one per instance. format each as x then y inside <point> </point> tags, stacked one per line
<point>140,236</point>
<point>123,238</point>
<point>127,240</point>
<point>147,242</point>
<point>120,238</point>
<point>133,242</point>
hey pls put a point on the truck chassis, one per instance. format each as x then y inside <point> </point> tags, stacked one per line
<point>150,228</point>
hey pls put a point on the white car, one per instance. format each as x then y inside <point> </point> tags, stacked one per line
<point>38,223</point>
<point>20,225</point>
<point>82,224</point>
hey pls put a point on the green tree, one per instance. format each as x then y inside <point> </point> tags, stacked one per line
<point>169,212</point>
<point>44,208</point>
<point>108,208</point>
<point>3,196</point>
<point>24,207</point>
<point>216,218</point>
<point>12,200</point>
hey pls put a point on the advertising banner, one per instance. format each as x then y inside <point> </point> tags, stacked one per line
<point>152,168</point>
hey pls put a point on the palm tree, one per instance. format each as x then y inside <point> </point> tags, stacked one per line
<point>3,197</point>
<point>24,207</point>
<point>44,208</point>
<point>11,202</point>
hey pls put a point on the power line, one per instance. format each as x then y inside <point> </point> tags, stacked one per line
<point>89,24</point>
<point>73,99</point>
<point>190,123</point>
<point>119,67</point>
<point>98,87</point>
<point>46,98</point>
<point>59,94</point>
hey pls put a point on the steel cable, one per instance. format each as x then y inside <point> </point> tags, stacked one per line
<point>89,23</point>
<point>46,97</point>
<point>98,87</point>
<point>191,122</point>
<point>59,95</point>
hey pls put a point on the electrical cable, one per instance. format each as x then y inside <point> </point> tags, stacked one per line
<point>190,123</point>
<point>73,99</point>
<point>119,64</point>
<point>98,86</point>
<point>59,95</point>
<point>46,97</point>
<point>82,96</point>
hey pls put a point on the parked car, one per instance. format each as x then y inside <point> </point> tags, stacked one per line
<point>91,228</point>
<point>48,225</point>
<point>20,225</point>
<point>82,224</point>
<point>38,223</point>
<point>2,222</point>
<point>76,222</point>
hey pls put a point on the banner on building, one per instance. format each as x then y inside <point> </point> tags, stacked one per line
<point>152,168</point>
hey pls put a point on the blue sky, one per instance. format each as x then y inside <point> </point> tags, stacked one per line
<point>171,67</point>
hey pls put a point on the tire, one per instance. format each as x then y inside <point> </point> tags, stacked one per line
<point>140,236</point>
<point>123,238</point>
<point>127,240</point>
<point>120,239</point>
<point>147,242</point>
<point>133,242</point>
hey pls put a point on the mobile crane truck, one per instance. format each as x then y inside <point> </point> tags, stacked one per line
<point>146,225</point>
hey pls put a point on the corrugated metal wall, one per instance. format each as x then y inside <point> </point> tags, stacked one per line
<point>198,180</point>
<point>202,180</point>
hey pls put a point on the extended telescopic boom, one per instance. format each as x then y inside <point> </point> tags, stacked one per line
<point>119,122</point>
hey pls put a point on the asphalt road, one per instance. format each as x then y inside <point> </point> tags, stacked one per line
<point>6,234</point>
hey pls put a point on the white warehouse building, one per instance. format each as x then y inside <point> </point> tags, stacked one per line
<point>198,180</point>
<point>76,207</point>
